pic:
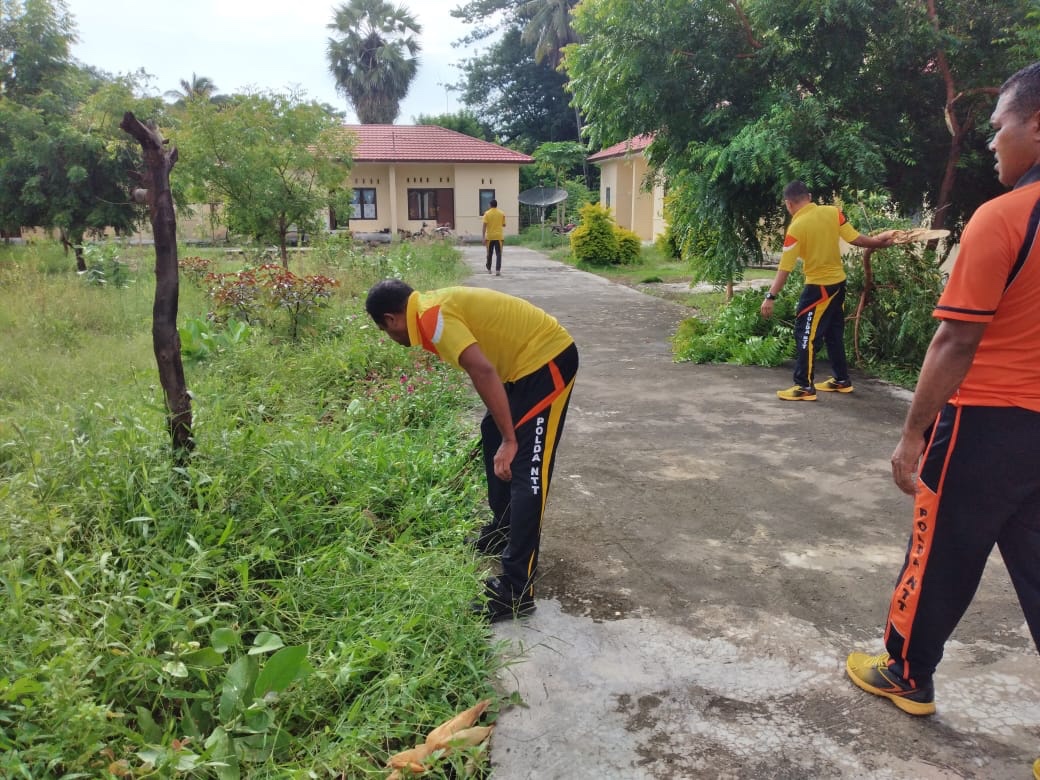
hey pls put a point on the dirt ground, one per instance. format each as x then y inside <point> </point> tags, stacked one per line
<point>710,555</point>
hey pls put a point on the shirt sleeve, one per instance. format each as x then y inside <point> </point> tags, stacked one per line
<point>980,270</point>
<point>845,229</point>
<point>789,256</point>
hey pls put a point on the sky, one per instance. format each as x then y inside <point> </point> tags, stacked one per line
<point>274,45</point>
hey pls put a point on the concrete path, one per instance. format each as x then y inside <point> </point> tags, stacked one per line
<point>709,557</point>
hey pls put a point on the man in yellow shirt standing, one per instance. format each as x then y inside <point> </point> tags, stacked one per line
<point>522,363</point>
<point>813,236</point>
<point>493,232</point>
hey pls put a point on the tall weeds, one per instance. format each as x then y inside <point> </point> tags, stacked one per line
<point>295,601</point>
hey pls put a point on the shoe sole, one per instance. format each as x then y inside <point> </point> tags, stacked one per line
<point>906,705</point>
<point>519,612</point>
<point>798,398</point>
<point>833,389</point>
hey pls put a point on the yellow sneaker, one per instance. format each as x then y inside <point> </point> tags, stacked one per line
<point>832,385</point>
<point>873,673</point>
<point>1036,769</point>
<point>797,393</point>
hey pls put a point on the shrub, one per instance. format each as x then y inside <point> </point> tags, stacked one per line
<point>629,246</point>
<point>594,241</point>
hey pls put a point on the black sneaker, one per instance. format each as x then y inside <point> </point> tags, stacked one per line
<point>496,606</point>
<point>874,674</point>
<point>491,540</point>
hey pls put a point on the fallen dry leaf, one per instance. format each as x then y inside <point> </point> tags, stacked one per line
<point>469,737</point>
<point>411,759</point>
<point>463,720</point>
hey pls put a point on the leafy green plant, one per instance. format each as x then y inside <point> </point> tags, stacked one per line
<point>104,266</point>
<point>739,334</point>
<point>202,337</point>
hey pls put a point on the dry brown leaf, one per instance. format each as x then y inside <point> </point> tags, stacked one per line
<point>470,737</point>
<point>918,234</point>
<point>412,758</point>
<point>463,720</point>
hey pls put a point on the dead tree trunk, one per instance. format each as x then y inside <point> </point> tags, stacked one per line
<point>166,341</point>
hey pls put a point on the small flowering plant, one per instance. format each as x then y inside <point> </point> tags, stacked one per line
<point>246,295</point>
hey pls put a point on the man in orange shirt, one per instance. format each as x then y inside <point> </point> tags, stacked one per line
<point>970,446</point>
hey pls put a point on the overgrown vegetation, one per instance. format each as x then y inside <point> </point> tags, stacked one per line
<point>295,601</point>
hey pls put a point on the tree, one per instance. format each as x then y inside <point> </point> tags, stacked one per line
<point>274,161</point>
<point>63,161</point>
<point>548,27</point>
<point>558,158</point>
<point>747,95</point>
<point>523,102</point>
<point>465,122</point>
<point>166,342</point>
<point>374,59</point>
<point>197,88</point>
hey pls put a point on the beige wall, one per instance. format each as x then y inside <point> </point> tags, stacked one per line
<point>633,208</point>
<point>465,179</point>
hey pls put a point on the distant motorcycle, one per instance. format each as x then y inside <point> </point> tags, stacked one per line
<point>562,230</point>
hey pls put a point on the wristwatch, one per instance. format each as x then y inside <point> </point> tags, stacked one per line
<point>770,296</point>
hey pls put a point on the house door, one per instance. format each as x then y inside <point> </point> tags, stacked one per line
<point>446,207</point>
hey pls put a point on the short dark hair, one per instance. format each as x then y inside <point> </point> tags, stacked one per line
<point>796,190</point>
<point>1025,88</point>
<point>389,296</point>
<point>494,203</point>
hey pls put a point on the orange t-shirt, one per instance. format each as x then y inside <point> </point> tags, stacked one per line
<point>996,280</point>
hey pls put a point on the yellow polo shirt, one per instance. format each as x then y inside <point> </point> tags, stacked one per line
<point>496,224</point>
<point>813,236</point>
<point>517,337</point>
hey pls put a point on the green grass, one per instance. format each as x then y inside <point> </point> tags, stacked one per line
<point>295,600</point>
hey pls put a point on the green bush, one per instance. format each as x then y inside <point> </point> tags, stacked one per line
<point>594,242</point>
<point>629,246</point>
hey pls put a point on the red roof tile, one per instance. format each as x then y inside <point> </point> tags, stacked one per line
<point>636,144</point>
<point>427,143</point>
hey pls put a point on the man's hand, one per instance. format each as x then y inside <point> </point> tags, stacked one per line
<point>905,462</point>
<point>766,309</point>
<point>503,460</point>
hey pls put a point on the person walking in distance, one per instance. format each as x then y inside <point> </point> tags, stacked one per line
<point>970,444</point>
<point>493,231</point>
<point>522,363</point>
<point>813,236</point>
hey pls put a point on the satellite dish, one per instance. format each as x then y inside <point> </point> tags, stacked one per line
<point>543,197</point>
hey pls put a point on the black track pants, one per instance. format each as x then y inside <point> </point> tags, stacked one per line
<point>820,320</point>
<point>538,403</point>
<point>980,486</point>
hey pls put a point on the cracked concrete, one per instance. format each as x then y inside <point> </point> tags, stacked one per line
<point>710,555</point>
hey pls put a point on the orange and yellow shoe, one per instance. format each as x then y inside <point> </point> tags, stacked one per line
<point>797,393</point>
<point>1036,769</point>
<point>874,674</point>
<point>832,385</point>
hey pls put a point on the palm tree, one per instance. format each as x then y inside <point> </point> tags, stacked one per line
<point>548,26</point>
<point>199,88</point>
<point>374,57</point>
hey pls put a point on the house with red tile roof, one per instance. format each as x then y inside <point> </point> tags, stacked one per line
<point>406,175</point>
<point>623,187</point>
